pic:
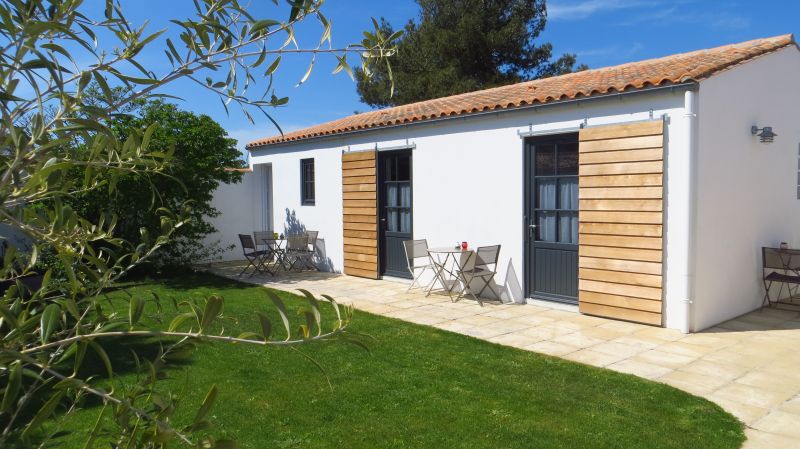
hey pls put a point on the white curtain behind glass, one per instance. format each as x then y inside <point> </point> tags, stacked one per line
<point>546,199</point>
<point>568,222</point>
<point>391,214</point>
<point>405,201</point>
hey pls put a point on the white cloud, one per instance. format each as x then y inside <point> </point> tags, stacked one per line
<point>582,9</point>
<point>684,16</point>
<point>616,51</point>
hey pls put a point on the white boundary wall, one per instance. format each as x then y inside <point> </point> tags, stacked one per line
<point>245,207</point>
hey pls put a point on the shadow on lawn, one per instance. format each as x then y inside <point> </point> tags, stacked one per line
<point>201,280</point>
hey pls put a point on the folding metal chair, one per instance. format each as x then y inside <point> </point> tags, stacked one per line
<point>254,257</point>
<point>312,249</point>
<point>484,268</point>
<point>416,250</point>
<point>296,250</point>
<point>784,268</point>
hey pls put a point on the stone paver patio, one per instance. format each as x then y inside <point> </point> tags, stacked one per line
<point>750,365</point>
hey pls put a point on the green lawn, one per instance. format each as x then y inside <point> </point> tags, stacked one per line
<point>421,387</point>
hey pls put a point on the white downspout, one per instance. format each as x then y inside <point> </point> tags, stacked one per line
<point>687,281</point>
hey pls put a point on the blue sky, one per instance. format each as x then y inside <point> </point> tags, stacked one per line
<point>600,32</point>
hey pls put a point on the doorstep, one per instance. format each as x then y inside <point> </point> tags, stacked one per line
<point>552,305</point>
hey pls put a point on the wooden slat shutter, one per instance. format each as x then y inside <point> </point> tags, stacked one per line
<point>620,251</point>
<point>359,185</point>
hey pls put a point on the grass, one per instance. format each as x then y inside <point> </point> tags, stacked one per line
<point>420,387</point>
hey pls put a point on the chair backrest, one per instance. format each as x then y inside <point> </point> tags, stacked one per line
<point>261,237</point>
<point>247,242</point>
<point>780,259</point>
<point>415,249</point>
<point>297,242</point>
<point>487,255</point>
<point>312,238</point>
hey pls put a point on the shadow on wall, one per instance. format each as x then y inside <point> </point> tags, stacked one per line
<point>513,287</point>
<point>293,226</point>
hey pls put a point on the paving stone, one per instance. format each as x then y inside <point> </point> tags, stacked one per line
<point>746,413</point>
<point>779,383</point>
<point>579,339</point>
<point>694,383</point>
<point>747,394</point>
<point>642,342</point>
<point>594,358</point>
<point>617,349</point>
<point>757,439</point>
<point>515,340</point>
<point>659,333</point>
<point>665,359</point>
<point>552,348</point>
<point>533,320</point>
<point>622,326</point>
<point>677,347</point>
<point>641,369</point>
<point>780,422</point>
<point>479,320</point>
<point>719,370</point>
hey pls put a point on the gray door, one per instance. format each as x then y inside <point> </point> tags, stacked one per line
<point>551,217</point>
<point>395,206</point>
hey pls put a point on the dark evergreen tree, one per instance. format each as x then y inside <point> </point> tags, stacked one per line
<point>459,46</point>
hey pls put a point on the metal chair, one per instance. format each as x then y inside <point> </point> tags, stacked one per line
<point>312,249</point>
<point>416,250</point>
<point>784,268</point>
<point>484,268</point>
<point>296,250</point>
<point>254,257</point>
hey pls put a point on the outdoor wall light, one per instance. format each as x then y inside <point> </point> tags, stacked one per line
<point>765,134</point>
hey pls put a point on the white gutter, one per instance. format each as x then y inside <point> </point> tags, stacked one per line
<point>686,281</point>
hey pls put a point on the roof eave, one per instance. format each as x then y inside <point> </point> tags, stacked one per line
<point>684,84</point>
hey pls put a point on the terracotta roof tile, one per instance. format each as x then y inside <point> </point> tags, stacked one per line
<point>675,69</point>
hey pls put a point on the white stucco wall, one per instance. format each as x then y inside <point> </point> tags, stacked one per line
<point>467,173</point>
<point>746,191</point>
<point>244,208</point>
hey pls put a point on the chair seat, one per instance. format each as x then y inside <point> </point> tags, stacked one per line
<point>778,277</point>
<point>478,272</point>
<point>256,253</point>
<point>416,267</point>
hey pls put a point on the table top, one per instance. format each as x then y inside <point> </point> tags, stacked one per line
<point>448,249</point>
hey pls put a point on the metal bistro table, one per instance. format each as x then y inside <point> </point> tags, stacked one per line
<point>448,262</point>
<point>278,248</point>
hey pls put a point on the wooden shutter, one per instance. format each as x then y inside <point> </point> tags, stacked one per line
<point>620,250</point>
<point>359,185</point>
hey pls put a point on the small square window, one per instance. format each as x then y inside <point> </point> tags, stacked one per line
<point>307,193</point>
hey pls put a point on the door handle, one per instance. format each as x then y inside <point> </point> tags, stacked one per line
<point>531,230</point>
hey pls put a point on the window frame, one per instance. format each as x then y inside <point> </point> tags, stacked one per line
<point>305,198</point>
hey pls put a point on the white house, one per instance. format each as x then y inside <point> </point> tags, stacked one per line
<point>637,191</point>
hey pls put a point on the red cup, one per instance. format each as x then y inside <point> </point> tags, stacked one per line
<point>464,246</point>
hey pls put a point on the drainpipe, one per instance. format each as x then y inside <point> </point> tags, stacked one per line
<point>689,167</point>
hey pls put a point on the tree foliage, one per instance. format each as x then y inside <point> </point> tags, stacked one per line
<point>459,46</point>
<point>202,154</point>
<point>58,144</point>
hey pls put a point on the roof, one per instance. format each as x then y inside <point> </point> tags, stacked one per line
<point>670,70</point>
